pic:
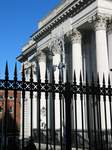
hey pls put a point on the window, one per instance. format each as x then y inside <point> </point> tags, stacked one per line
<point>10,97</point>
<point>10,109</point>
<point>1,97</point>
<point>1,109</point>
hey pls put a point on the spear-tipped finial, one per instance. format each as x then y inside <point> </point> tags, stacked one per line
<point>74,77</point>
<point>67,79</point>
<point>86,78</point>
<point>23,73</point>
<point>15,72</point>
<point>80,78</point>
<point>38,74</point>
<point>98,81</point>
<point>53,79</point>
<point>31,74</point>
<point>92,78</point>
<point>109,79</point>
<point>46,76</point>
<point>103,79</point>
<point>60,75</point>
<point>6,72</point>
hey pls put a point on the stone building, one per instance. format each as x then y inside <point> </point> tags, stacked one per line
<point>76,35</point>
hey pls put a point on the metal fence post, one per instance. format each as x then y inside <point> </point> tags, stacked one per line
<point>68,96</point>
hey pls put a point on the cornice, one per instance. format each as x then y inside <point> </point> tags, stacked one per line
<point>70,10</point>
<point>27,52</point>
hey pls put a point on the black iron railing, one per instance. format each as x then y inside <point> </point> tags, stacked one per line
<point>85,113</point>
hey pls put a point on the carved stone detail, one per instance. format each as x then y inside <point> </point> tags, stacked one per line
<point>75,36</point>
<point>56,45</point>
<point>100,23</point>
<point>109,27</point>
<point>41,57</point>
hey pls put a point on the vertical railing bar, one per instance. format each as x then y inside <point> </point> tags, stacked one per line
<point>104,97</point>
<point>63,119</point>
<point>23,106</point>
<point>94,112</point>
<point>53,98</point>
<point>15,102</point>
<point>39,132</point>
<point>81,98</point>
<point>75,99</point>
<point>46,97</point>
<point>6,101</point>
<point>31,98</point>
<point>46,120</point>
<point>68,94</point>
<point>54,141</point>
<point>38,105</point>
<point>110,105</point>
<point>99,113</point>
<point>88,112</point>
<point>98,118</point>
<point>60,99</point>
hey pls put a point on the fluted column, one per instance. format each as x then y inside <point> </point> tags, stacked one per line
<point>102,63</point>
<point>76,54</point>
<point>27,66</point>
<point>109,34</point>
<point>77,66</point>
<point>42,66</point>
<point>101,48</point>
<point>34,69</point>
<point>56,61</point>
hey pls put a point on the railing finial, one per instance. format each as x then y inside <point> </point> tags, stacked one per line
<point>74,77</point>
<point>109,79</point>
<point>15,72</point>
<point>6,72</point>
<point>103,79</point>
<point>46,76</point>
<point>23,73</point>
<point>31,74</point>
<point>38,74</point>
<point>80,78</point>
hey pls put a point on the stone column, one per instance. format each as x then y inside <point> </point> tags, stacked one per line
<point>76,54</point>
<point>102,63</point>
<point>77,66</point>
<point>27,66</point>
<point>56,62</point>
<point>109,35</point>
<point>56,49</point>
<point>34,69</point>
<point>101,48</point>
<point>42,65</point>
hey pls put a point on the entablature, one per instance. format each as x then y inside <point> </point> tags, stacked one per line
<point>73,8</point>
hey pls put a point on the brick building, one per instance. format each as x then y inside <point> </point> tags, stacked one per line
<point>10,115</point>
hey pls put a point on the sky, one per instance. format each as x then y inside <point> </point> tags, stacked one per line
<point>18,20</point>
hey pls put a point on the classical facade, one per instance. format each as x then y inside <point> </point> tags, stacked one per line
<point>76,35</point>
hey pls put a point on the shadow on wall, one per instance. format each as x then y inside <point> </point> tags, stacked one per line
<point>12,132</point>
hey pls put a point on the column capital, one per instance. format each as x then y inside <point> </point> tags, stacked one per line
<point>56,45</point>
<point>75,36</point>
<point>110,27</point>
<point>41,57</point>
<point>100,23</point>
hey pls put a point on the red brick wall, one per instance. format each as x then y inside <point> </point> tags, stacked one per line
<point>10,104</point>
